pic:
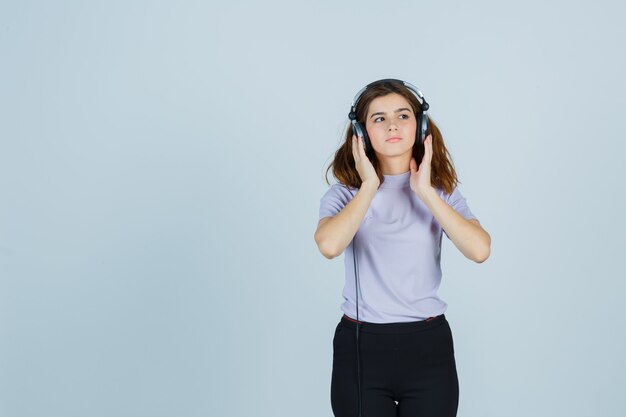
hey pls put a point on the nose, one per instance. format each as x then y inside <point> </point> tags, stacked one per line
<point>392,126</point>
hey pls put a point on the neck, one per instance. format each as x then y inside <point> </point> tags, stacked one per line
<point>395,165</point>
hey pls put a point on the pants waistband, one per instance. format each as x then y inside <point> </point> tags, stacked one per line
<point>400,327</point>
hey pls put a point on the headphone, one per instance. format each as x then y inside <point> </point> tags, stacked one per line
<point>359,129</point>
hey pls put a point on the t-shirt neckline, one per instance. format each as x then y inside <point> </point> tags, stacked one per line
<point>396,181</point>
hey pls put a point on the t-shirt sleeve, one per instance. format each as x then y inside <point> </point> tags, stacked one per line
<point>334,200</point>
<point>459,204</point>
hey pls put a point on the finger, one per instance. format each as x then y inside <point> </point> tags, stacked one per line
<point>354,147</point>
<point>429,147</point>
<point>413,166</point>
<point>361,146</point>
<point>425,156</point>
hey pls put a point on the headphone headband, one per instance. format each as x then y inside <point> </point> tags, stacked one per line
<point>410,86</point>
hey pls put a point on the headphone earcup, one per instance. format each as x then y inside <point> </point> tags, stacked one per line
<point>418,148</point>
<point>423,129</point>
<point>418,130</point>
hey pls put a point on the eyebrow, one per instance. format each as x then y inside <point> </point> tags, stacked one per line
<point>383,113</point>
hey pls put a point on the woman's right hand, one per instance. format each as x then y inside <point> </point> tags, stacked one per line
<point>362,163</point>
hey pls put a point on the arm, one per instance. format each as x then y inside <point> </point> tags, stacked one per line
<point>467,235</point>
<point>334,233</point>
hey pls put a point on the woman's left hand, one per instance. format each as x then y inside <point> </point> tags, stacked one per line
<point>420,179</point>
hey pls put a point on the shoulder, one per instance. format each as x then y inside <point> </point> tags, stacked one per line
<point>454,195</point>
<point>458,202</point>
<point>335,199</point>
<point>339,189</point>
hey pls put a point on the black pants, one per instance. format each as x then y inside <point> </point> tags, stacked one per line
<point>411,363</point>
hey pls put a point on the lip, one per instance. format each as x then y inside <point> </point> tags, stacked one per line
<point>393,139</point>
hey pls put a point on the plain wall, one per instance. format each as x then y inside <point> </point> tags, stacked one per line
<point>161,165</point>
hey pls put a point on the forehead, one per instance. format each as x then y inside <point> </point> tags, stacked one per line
<point>388,103</point>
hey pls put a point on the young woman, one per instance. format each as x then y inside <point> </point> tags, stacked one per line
<point>393,351</point>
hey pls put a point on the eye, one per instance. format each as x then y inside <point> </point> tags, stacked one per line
<point>379,117</point>
<point>406,116</point>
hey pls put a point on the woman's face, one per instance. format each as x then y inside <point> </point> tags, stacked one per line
<point>388,118</point>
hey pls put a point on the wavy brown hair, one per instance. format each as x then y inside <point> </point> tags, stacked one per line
<point>442,171</point>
